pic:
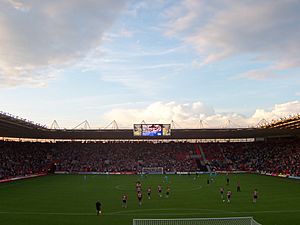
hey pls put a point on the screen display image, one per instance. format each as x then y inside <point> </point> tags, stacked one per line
<point>166,129</point>
<point>137,130</point>
<point>152,130</point>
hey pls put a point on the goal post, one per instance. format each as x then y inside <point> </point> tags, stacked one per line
<point>152,170</point>
<point>198,221</point>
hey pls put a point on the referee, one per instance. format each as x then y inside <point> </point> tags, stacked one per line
<point>98,208</point>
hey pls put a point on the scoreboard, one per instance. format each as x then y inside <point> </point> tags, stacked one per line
<point>152,130</point>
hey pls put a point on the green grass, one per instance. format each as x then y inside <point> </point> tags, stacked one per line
<point>70,200</point>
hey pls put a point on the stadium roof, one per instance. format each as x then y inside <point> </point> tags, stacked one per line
<point>292,122</point>
<point>19,128</point>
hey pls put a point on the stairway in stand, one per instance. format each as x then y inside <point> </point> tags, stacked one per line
<point>200,159</point>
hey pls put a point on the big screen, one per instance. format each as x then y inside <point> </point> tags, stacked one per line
<point>152,130</point>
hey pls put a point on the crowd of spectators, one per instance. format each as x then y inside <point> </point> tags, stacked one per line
<point>122,157</point>
<point>24,158</point>
<point>270,157</point>
<point>20,158</point>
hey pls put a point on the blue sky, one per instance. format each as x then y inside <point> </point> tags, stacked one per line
<point>160,60</point>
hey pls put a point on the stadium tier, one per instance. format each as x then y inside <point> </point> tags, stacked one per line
<point>20,159</point>
<point>277,150</point>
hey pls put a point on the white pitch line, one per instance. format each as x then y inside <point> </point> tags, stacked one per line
<point>165,209</point>
<point>131,212</point>
<point>209,211</point>
<point>120,188</point>
<point>49,213</point>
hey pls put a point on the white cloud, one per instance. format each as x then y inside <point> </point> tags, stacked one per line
<point>258,74</point>
<point>160,112</point>
<point>39,37</point>
<point>269,30</point>
<point>188,115</point>
<point>278,111</point>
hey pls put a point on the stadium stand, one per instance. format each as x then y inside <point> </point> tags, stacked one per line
<point>19,158</point>
<point>272,150</point>
<point>25,158</point>
<point>270,157</point>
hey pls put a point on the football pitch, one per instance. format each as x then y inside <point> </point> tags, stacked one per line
<point>70,199</point>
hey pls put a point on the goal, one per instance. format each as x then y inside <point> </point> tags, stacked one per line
<point>152,170</point>
<point>198,221</point>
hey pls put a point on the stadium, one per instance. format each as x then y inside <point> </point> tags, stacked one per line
<point>54,176</point>
<point>204,100</point>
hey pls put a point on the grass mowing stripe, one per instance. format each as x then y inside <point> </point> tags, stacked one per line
<point>127,213</point>
<point>70,199</point>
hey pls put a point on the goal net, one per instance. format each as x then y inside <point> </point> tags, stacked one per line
<point>152,170</point>
<point>198,221</point>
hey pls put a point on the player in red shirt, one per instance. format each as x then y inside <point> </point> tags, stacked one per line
<point>140,196</point>
<point>229,193</point>
<point>138,185</point>
<point>255,195</point>
<point>159,188</point>
<point>149,192</point>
